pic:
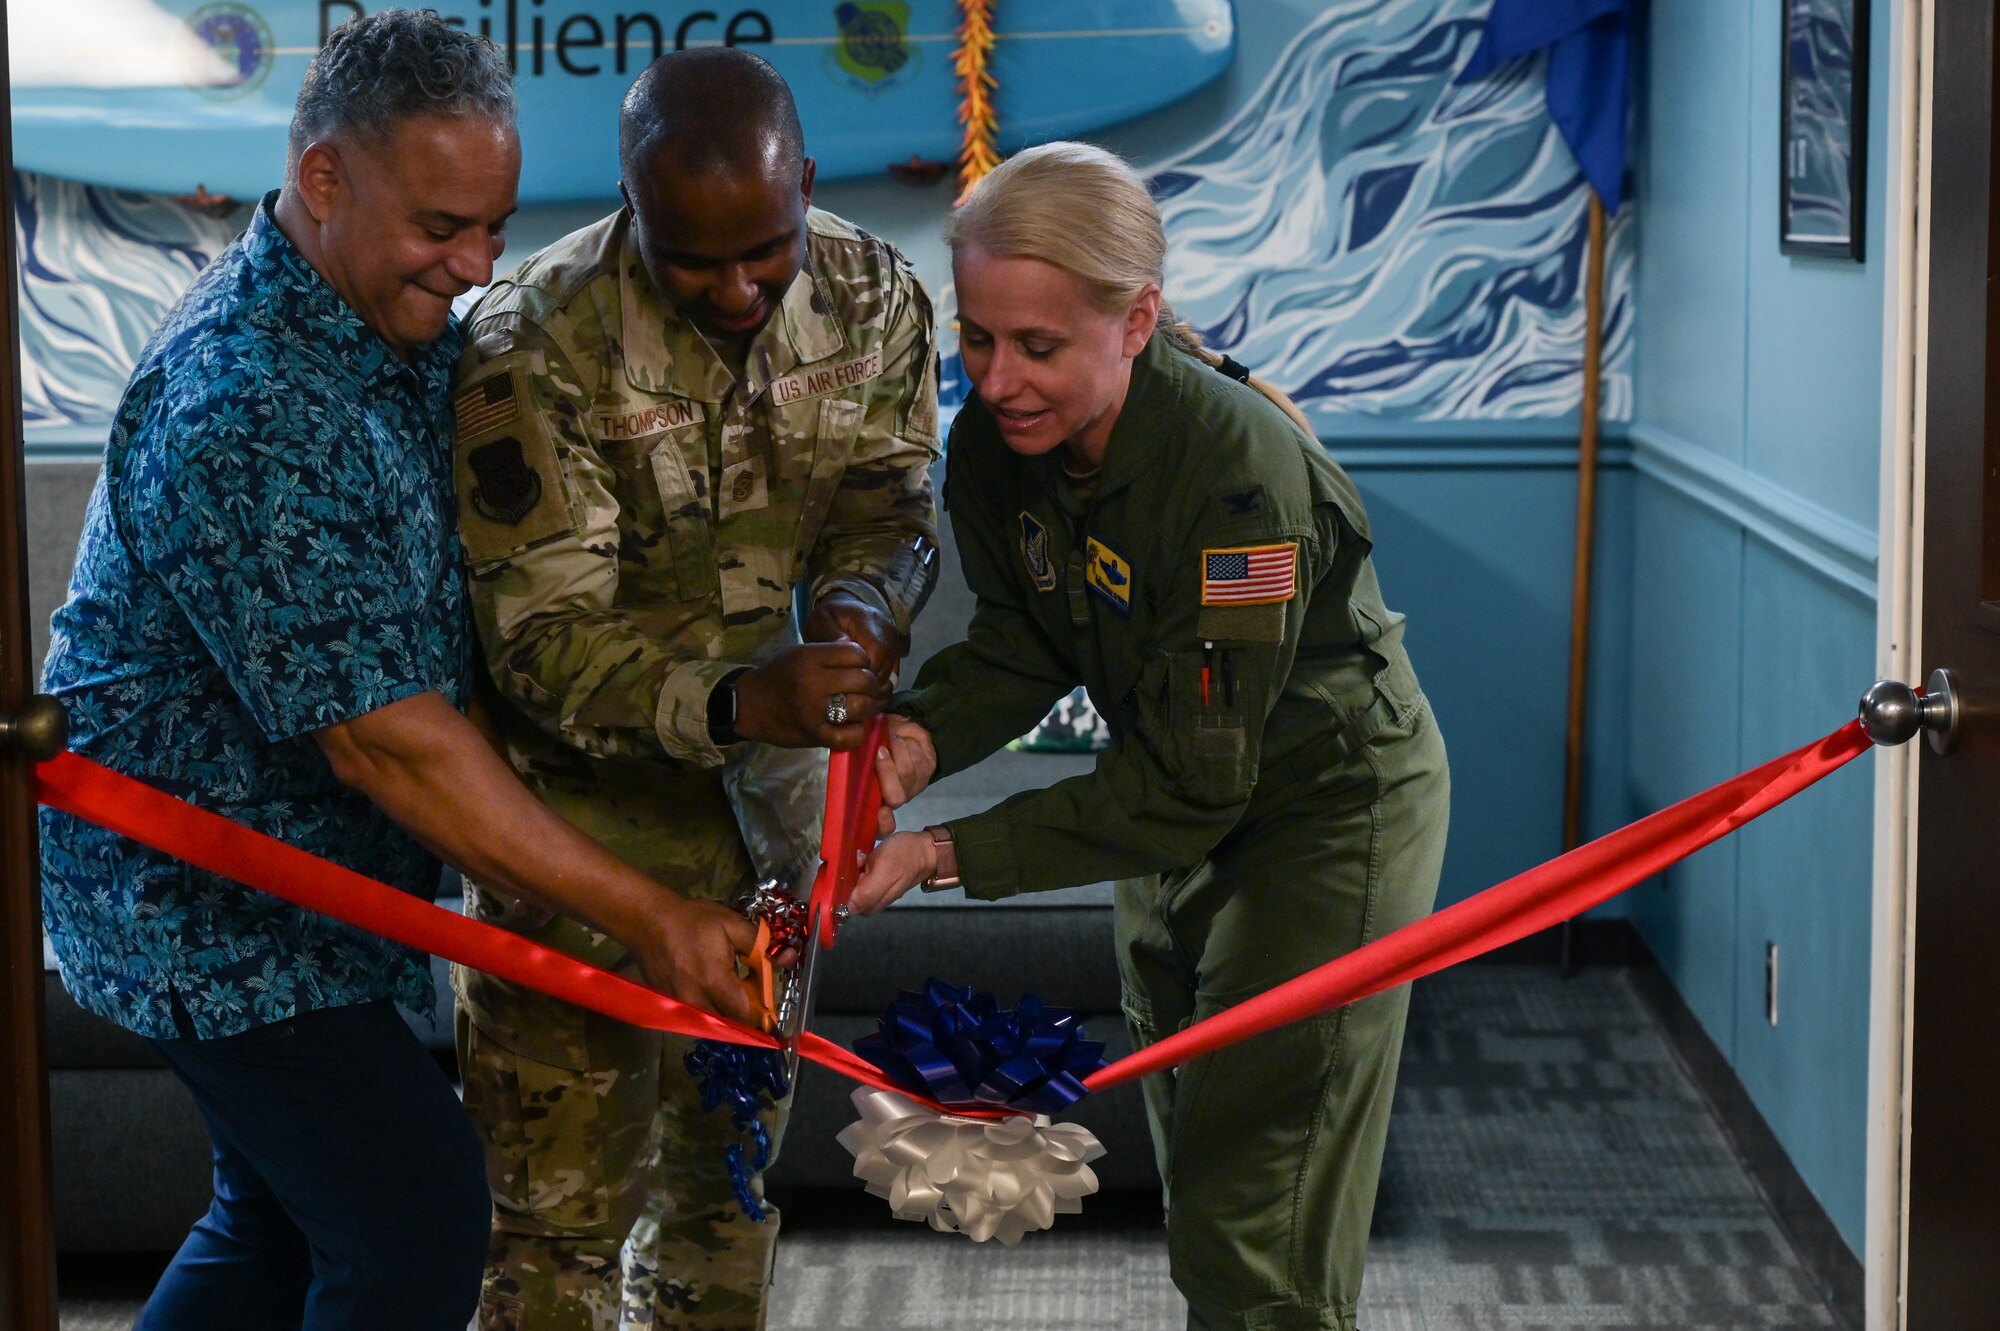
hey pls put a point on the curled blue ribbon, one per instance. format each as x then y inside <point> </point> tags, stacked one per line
<point>959,1047</point>
<point>745,1079</point>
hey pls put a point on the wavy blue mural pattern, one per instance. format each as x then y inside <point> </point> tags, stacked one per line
<point>1383,244</point>
<point>99,269</point>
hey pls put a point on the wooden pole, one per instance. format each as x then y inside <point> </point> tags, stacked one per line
<point>1586,526</point>
<point>27,1228</point>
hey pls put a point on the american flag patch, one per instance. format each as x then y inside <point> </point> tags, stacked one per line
<point>1249,574</point>
<point>485,405</point>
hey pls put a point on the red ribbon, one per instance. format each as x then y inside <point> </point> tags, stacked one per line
<point>1527,903</point>
<point>1530,902</point>
<point>209,841</point>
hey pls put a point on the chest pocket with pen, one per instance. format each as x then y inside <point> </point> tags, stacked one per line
<point>1194,715</point>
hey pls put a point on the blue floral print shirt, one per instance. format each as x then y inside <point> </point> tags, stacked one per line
<point>271,548</point>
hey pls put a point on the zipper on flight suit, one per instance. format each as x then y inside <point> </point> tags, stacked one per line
<point>1083,609</point>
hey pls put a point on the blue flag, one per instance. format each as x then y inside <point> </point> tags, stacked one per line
<point>1589,77</point>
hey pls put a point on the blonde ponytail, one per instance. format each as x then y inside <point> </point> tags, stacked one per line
<point>1183,335</point>
<point>1085,211</point>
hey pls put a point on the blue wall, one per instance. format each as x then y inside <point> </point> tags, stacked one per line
<point>1756,442</point>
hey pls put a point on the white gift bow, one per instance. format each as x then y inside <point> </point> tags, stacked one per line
<point>984,1179</point>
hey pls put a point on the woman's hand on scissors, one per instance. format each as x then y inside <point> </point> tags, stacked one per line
<point>904,764</point>
<point>897,865</point>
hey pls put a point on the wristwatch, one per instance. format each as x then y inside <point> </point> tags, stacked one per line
<point>946,874</point>
<point>722,708</point>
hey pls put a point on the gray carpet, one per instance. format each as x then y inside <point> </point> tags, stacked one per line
<point>1550,1166</point>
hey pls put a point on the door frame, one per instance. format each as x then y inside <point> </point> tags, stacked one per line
<point>27,1238</point>
<point>1898,655</point>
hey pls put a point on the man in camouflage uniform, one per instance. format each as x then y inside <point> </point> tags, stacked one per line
<point>671,424</point>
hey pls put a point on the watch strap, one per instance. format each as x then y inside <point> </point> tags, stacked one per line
<point>722,708</point>
<point>946,874</point>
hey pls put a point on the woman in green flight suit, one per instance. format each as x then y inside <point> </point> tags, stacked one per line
<point>1134,514</point>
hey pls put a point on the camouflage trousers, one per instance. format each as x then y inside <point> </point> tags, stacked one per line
<point>612,1206</point>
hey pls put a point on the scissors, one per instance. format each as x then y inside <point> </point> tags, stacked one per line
<point>847,835</point>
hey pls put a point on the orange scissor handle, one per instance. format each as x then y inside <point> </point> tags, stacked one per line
<point>763,978</point>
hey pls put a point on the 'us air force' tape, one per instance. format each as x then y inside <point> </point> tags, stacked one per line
<point>818,383</point>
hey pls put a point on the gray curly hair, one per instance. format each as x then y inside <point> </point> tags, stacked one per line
<point>375,72</point>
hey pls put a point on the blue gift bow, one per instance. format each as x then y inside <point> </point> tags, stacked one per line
<point>959,1047</point>
<point>741,1077</point>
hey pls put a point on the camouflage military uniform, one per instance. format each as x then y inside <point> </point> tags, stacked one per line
<point>637,521</point>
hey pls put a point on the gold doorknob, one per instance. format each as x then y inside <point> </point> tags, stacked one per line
<point>39,730</point>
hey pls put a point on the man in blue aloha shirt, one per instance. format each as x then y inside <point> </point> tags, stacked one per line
<point>268,619</point>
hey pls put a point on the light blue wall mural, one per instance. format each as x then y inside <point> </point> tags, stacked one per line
<point>1385,245</point>
<point>1382,244</point>
<point>99,269</point>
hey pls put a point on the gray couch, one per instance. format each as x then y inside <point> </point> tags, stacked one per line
<point>131,1156</point>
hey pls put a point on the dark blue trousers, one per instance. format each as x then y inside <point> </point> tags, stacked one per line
<point>350,1188</point>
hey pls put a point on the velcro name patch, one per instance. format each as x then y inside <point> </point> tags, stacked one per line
<point>670,415</point>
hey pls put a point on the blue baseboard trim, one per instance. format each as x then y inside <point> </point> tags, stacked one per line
<point>1840,551</point>
<point>64,443</point>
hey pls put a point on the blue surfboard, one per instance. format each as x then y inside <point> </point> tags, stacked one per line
<point>185,93</point>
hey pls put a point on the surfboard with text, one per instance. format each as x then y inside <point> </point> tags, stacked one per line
<point>168,95</point>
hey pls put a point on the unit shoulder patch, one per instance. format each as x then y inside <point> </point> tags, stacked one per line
<point>505,488</point>
<point>505,471</point>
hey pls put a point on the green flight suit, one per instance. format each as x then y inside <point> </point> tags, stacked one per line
<point>1265,817</point>
<point>638,518</point>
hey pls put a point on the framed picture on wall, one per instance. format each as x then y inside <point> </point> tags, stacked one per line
<point>1823,169</point>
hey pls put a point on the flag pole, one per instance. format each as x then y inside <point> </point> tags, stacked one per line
<point>1586,523</point>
